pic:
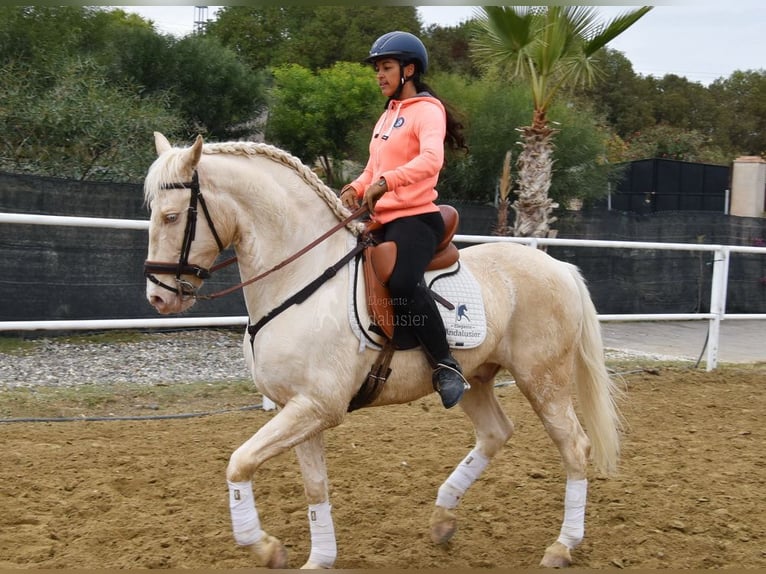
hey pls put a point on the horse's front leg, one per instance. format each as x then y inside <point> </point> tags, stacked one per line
<point>297,422</point>
<point>314,469</point>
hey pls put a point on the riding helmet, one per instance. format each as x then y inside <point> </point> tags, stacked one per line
<point>403,46</point>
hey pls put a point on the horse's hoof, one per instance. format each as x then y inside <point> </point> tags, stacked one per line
<point>556,556</point>
<point>271,552</point>
<point>312,566</point>
<point>443,525</point>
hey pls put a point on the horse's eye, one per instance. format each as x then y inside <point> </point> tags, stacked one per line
<point>171,218</point>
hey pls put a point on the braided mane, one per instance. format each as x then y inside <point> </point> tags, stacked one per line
<point>285,158</point>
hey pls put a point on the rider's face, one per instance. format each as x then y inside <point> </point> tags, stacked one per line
<point>388,74</point>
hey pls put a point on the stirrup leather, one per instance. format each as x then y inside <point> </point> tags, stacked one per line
<point>376,378</point>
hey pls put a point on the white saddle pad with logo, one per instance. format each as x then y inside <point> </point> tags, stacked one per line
<point>466,324</point>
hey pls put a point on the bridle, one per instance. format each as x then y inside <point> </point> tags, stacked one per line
<point>183,287</point>
<point>188,290</point>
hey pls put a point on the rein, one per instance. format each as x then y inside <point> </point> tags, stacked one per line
<point>359,212</point>
<point>182,267</point>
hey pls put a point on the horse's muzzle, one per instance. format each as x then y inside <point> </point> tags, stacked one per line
<point>183,287</point>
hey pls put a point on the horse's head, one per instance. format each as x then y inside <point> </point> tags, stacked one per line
<point>181,247</point>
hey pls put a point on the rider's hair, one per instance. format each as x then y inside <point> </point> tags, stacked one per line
<point>454,137</point>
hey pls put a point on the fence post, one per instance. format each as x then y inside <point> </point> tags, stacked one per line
<point>717,304</point>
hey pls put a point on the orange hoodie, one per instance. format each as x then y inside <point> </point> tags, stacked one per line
<point>407,150</point>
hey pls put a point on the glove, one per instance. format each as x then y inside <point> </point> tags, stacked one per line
<point>374,193</point>
<point>348,198</point>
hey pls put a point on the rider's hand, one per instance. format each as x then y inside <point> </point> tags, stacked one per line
<point>348,198</point>
<point>373,193</point>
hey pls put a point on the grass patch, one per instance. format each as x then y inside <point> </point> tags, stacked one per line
<point>11,343</point>
<point>125,399</point>
<point>15,346</point>
<point>634,364</point>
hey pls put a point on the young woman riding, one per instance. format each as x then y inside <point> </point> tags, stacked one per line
<point>398,186</point>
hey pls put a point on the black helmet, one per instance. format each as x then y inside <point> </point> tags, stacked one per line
<point>402,46</point>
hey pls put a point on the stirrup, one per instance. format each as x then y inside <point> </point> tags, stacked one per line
<point>455,386</point>
<point>453,368</point>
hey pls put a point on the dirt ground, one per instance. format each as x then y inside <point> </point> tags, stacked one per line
<point>152,493</point>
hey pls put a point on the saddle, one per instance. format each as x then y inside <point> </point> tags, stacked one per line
<point>378,261</point>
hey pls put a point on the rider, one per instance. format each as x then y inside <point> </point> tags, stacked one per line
<point>406,155</point>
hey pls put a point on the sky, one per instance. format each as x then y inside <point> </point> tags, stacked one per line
<point>701,41</point>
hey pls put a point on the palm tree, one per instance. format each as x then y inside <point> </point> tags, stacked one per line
<point>552,48</point>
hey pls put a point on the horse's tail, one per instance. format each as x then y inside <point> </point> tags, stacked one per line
<point>597,393</point>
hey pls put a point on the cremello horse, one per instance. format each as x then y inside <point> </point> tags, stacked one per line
<point>541,322</point>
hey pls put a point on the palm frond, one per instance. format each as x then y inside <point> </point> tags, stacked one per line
<point>504,36</point>
<point>549,46</point>
<point>613,28</point>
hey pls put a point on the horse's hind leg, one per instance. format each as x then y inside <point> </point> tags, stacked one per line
<point>493,429</point>
<point>551,398</point>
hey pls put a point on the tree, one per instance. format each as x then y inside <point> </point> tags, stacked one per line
<point>136,55</point>
<point>215,92</point>
<point>80,86</point>
<point>551,48</point>
<point>740,118</point>
<point>61,114</point>
<point>316,115</point>
<point>449,49</point>
<point>41,36</point>
<point>311,36</point>
<point>683,104</point>
<point>624,98</point>
<point>81,128</point>
<point>672,142</point>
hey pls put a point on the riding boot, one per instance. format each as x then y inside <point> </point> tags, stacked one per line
<point>449,382</point>
<point>447,376</point>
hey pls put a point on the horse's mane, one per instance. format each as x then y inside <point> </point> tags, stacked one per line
<point>258,149</point>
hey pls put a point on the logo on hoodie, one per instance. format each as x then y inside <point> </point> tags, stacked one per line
<point>399,122</point>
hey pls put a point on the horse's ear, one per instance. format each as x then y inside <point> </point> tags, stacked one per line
<point>161,143</point>
<point>196,150</point>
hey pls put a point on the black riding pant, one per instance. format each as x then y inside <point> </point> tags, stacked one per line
<point>416,238</point>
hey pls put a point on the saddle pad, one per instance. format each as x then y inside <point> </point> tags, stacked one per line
<point>466,324</point>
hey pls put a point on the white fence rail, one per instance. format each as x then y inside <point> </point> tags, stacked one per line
<point>721,257</point>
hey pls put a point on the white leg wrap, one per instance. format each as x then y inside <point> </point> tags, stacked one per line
<point>323,547</point>
<point>573,527</point>
<point>466,473</point>
<point>244,516</point>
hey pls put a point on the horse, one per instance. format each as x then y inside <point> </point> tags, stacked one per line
<point>268,207</point>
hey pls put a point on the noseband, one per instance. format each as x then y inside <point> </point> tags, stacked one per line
<point>183,287</point>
